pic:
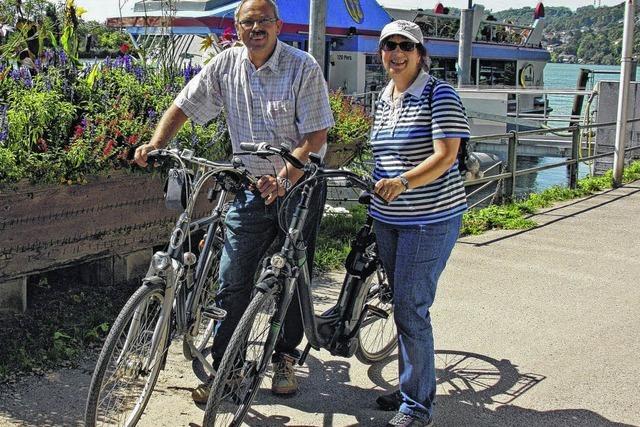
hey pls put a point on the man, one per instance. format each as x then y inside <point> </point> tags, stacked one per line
<point>270,92</point>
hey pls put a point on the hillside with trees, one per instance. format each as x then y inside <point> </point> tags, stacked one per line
<point>588,35</point>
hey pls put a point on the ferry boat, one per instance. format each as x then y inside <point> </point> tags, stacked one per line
<point>504,55</point>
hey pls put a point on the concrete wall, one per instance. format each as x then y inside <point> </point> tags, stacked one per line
<point>607,112</point>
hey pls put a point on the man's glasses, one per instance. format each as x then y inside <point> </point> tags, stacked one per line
<point>390,46</point>
<point>248,24</point>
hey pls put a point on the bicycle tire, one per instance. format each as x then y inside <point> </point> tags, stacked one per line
<point>377,337</point>
<point>206,326</point>
<point>237,379</point>
<point>95,414</point>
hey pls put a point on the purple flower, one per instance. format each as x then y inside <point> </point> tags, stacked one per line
<point>15,75</point>
<point>108,62</point>
<point>62,57</point>
<point>4,123</point>
<point>25,76</point>
<point>151,113</point>
<point>139,72</point>
<point>128,62</point>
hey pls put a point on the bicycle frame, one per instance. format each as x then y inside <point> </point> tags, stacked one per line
<point>288,271</point>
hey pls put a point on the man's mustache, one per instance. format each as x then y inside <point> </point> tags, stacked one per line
<point>258,33</point>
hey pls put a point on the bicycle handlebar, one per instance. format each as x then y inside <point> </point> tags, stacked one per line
<point>263,149</point>
<point>235,167</point>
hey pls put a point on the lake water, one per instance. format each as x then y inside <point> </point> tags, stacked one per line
<point>559,76</point>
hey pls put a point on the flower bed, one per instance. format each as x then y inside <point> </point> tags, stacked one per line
<point>68,190</point>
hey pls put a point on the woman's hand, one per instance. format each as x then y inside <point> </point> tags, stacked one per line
<point>389,188</point>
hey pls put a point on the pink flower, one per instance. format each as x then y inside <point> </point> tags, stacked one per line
<point>109,147</point>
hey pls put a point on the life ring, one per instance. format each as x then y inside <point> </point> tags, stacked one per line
<point>522,74</point>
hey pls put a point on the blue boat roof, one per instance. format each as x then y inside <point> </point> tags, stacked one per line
<point>366,15</point>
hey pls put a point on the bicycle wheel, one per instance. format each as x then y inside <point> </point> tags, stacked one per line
<point>126,372</point>
<point>238,379</point>
<point>377,336</point>
<point>206,325</point>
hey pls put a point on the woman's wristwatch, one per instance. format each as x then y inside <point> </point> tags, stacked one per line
<point>403,179</point>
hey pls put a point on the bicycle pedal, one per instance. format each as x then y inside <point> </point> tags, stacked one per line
<point>214,313</point>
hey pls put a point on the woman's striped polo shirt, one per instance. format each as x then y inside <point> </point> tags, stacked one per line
<point>402,137</point>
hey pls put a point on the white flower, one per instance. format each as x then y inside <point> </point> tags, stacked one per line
<point>5,29</point>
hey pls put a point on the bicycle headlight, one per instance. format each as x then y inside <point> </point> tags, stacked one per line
<point>160,261</point>
<point>278,261</point>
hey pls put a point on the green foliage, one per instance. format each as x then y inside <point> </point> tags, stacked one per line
<point>111,39</point>
<point>9,169</point>
<point>592,34</point>
<point>37,120</point>
<point>334,237</point>
<point>352,123</point>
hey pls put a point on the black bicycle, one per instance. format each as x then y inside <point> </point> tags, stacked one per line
<point>360,323</point>
<point>176,298</point>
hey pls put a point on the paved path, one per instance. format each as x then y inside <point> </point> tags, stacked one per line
<point>533,328</point>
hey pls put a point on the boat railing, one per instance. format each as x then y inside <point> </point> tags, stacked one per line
<point>503,33</point>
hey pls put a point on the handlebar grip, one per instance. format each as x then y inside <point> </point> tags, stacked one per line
<point>250,146</point>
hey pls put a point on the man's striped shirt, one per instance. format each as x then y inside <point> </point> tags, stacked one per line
<point>402,138</point>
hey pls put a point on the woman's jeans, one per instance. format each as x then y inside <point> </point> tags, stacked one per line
<point>252,229</point>
<point>413,257</point>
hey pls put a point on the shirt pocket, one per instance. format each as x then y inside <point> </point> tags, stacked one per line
<point>281,115</point>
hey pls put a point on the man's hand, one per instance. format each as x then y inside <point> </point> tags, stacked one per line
<point>269,189</point>
<point>140,155</point>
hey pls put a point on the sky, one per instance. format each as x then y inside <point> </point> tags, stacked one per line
<point>99,10</point>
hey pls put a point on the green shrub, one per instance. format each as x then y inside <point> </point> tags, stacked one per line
<point>38,120</point>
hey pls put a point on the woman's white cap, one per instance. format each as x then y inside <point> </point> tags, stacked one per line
<point>407,29</point>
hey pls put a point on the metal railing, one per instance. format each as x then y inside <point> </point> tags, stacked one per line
<point>511,172</point>
<point>506,179</point>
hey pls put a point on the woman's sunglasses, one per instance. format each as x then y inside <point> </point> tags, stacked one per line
<point>390,46</point>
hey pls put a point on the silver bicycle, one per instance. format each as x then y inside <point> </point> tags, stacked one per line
<point>176,298</point>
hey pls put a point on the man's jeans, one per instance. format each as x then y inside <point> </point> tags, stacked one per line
<point>252,228</point>
<point>413,257</point>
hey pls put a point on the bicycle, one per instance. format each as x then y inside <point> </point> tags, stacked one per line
<point>175,299</point>
<point>360,323</point>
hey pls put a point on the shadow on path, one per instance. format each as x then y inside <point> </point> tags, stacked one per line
<point>473,390</point>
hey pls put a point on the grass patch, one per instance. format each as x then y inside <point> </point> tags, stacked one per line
<point>334,238</point>
<point>65,320</point>
<point>513,216</point>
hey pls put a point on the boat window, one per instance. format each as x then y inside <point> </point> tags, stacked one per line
<point>497,73</point>
<point>374,75</point>
<point>444,69</point>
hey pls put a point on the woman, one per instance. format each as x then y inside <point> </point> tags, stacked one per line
<point>418,126</point>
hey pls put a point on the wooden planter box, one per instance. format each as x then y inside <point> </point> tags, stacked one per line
<point>45,227</point>
<point>339,155</point>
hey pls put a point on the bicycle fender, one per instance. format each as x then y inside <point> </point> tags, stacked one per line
<point>154,280</point>
<point>267,284</point>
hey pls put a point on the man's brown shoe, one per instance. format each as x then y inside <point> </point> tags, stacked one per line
<point>200,394</point>
<point>284,380</point>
